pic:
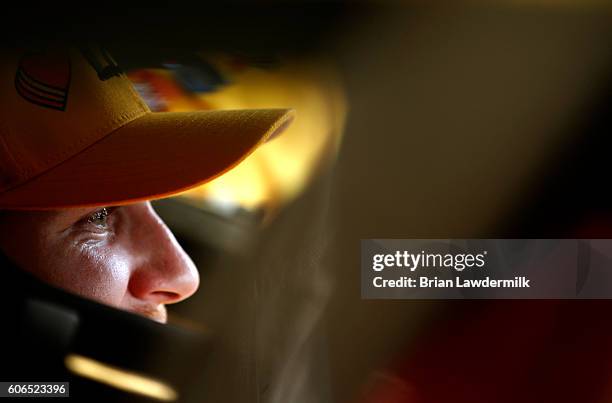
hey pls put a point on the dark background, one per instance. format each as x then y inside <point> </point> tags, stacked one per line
<point>465,120</point>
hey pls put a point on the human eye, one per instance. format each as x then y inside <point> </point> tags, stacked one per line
<point>100,218</point>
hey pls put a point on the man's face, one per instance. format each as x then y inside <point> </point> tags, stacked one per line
<point>124,256</point>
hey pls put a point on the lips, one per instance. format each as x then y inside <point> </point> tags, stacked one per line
<point>157,313</point>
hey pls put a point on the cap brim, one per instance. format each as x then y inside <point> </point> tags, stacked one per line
<point>154,156</point>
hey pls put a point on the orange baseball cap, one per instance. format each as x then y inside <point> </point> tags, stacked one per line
<point>74,133</point>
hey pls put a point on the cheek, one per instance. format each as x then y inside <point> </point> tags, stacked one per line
<point>100,272</point>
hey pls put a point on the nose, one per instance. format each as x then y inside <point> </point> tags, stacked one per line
<point>163,272</point>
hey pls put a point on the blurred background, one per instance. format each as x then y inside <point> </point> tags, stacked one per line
<point>472,119</point>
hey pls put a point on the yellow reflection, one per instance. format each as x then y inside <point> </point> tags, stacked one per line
<point>280,169</point>
<point>119,378</point>
<point>277,172</point>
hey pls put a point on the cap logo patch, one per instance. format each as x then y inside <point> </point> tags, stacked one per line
<point>43,79</point>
